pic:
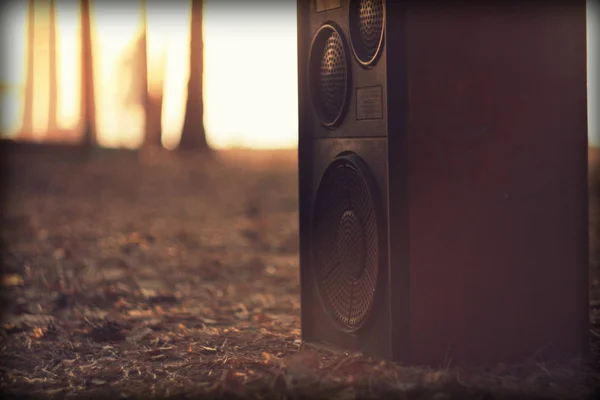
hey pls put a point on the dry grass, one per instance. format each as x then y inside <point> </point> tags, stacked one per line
<point>178,277</point>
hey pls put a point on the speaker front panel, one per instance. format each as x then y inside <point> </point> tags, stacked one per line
<point>345,269</point>
<point>343,175</point>
<point>473,133</point>
<point>345,68</point>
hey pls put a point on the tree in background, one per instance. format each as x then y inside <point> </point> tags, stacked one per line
<point>152,101</point>
<point>88,108</point>
<point>153,128</point>
<point>27,126</point>
<point>193,136</point>
<point>53,90</point>
<point>134,89</point>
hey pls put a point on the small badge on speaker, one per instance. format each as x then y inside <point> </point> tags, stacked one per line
<point>369,102</point>
<point>325,5</point>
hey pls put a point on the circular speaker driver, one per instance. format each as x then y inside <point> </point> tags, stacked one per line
<point>345,241</point>
<point>329,74</point>
<point>367,25</point>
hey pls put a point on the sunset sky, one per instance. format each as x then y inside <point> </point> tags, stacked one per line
<point>250,73</point>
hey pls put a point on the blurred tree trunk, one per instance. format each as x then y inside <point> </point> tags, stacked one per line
<point>152,101</point>
<point>53,91</point>
<point>88,114</point>
<point>193,136</point>
<point>27,126</point>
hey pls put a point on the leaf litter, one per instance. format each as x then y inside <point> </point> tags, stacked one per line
<point>178,277</point>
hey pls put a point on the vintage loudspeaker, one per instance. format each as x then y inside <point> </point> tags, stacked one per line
<point>442,168</point>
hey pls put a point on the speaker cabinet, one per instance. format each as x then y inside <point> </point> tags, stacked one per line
<point>443,179</point>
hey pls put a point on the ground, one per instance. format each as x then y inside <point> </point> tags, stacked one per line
<point>134,275</point>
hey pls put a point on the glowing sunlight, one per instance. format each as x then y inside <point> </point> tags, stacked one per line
<point>250,71</point>
<point>250,94</point>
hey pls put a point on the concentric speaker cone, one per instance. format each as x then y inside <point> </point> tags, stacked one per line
<point>329,74</point>
<point>367,25</point>
<point>345,241</point>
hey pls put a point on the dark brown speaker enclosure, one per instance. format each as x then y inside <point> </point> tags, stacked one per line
<point>472,123</point>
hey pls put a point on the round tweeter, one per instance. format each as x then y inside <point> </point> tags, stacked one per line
<point>345,241</point>
<point>367,26</point>
<point>329,74</point>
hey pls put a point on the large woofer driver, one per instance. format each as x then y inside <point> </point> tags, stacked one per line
<point>345,241</point>
<point>367,26</point>
<point>329,74</point>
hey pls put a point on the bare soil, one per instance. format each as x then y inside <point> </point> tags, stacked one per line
<point>133,275</point>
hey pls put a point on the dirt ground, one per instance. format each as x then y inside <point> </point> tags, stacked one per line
<point>135,276</point>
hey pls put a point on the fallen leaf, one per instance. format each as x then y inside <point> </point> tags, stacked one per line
<point>12,280</point>
<point>135,237</point>
<point>59,253</point>
<point>38,333</point>
<point>148,293</point>
<point>98,381</point>
<point>121,303</point>
<point>241,312</point>
<point>270,358</point>
<point>208,350</point>
<point>137,314</point>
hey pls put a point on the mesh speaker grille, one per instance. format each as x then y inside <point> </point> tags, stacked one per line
<point>329,74</point>
<point>367,19</point>
<point>345,242</point>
